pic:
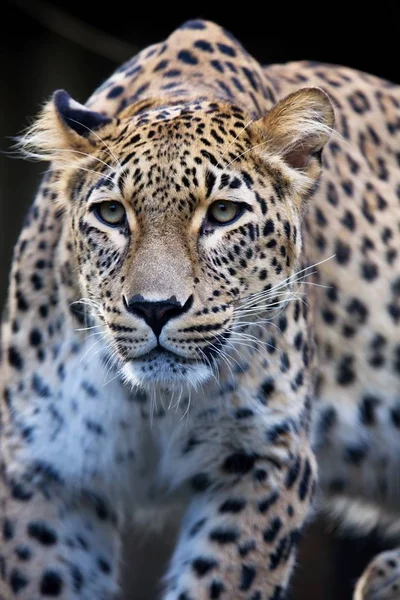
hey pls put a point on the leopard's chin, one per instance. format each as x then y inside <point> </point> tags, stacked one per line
<point>163,368</point>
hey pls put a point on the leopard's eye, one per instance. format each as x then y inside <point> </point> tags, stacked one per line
<point>223,212</point>
<point>111,213</point>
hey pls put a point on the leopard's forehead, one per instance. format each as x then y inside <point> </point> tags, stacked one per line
<point>201,123</point>
<point>177,154</point>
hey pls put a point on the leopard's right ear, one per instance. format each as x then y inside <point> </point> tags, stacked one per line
<point>63,125</point>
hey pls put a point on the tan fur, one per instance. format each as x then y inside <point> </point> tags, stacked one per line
<point>185,114</point>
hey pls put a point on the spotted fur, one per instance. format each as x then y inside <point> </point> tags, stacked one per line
<point>173,360</point>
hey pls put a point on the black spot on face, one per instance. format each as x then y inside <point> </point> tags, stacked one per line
<point>369,271</point>
<point>345,371</point>
<point>210,182</point>
<point>265,504</point>
<point>244,413</point>
<point>203,45</point>
<point>246,548</point>
<point>18,581</point>
<point>23,552</point>
<point>327,420</point>
<point>247,577</point>
<point>115,91</point>
<point>51,583</point>
<point>358,310</point>
<point>269,227</point>
<point>349,220</point>
<point>216,589</point>
<point>367,410</point>
<point>239,463</point>
<point>276,557</point>
<point>8,530</point>
<point>203,565</point>
<point>194,24</point>
<point>224,535</point>
<point>15,359</point>
<point>198,526</point>
<point>200,482</point>
<point>232,505</point>
<point>293,473</point>
<point>19,492</point>
<point>395,416</point>
<point>394,312</point>
<point>342,252</point>
<point>355,453</point>
<point>228,50</point>
<point>305,481</point>
<point>187,57</point>
<point>359,102</point>
<point>77,578</point>
<point>332,195</point>
<point>35,337</point>
<point>41,532</point>
<point>272,531</point>
<point>268,387</point>
<point>104,566</point>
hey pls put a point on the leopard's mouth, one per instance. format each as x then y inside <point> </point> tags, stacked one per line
<point>161,366</point>
<point>161,353</point>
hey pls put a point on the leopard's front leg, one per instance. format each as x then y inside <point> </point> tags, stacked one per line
<point>243,525</point>
<point>61,474</point>
<point>56,545</point>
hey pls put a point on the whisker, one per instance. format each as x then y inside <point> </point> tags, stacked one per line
<point>188,405</point>
<point>261,304</point>
<point>296,277</point>
<point>101,140</point>
<point>206,361</point>
<point>245,152</point>
<point>247,336</point>
<point>101,333</point>
<point>57,150</point>
<point>118,374</point>
<point>233,141</point>
<point>264,305</point>
<point>171,400</point>
<point>89,349</point>
<point>220,353</point>
<point>102,175</point>
<point>88,328</point>
<point>237,343</point>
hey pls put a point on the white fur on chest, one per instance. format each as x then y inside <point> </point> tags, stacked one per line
<point>96,433</point>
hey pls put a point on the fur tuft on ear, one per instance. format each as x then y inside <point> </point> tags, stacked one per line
<point>298,127</point>
<point>63,125</point>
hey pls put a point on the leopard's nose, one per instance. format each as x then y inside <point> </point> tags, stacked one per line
<point>156,314</point>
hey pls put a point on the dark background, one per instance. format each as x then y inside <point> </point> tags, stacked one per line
<point>76,45</point>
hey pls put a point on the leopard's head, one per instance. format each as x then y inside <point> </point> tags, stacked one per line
<point>185,220</point>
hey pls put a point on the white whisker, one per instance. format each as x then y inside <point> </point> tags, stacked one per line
<point>234,140</point>
<point>100,139</point>
<point>245,152</point>
<point>72,165</point>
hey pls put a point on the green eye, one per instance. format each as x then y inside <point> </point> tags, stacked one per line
<point>223,212</point>
<point>111,213</point>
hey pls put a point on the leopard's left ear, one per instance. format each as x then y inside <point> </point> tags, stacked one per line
<point>298,127</point>
<point>64,124</point>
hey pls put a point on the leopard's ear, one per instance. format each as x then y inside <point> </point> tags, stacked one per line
<point>298,127</point>
<point>64,124</point>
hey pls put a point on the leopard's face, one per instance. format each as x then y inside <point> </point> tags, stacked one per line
<point>185,221</point>
<point>182,241</point>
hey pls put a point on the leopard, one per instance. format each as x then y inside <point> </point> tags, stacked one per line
<point>203,312</point>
